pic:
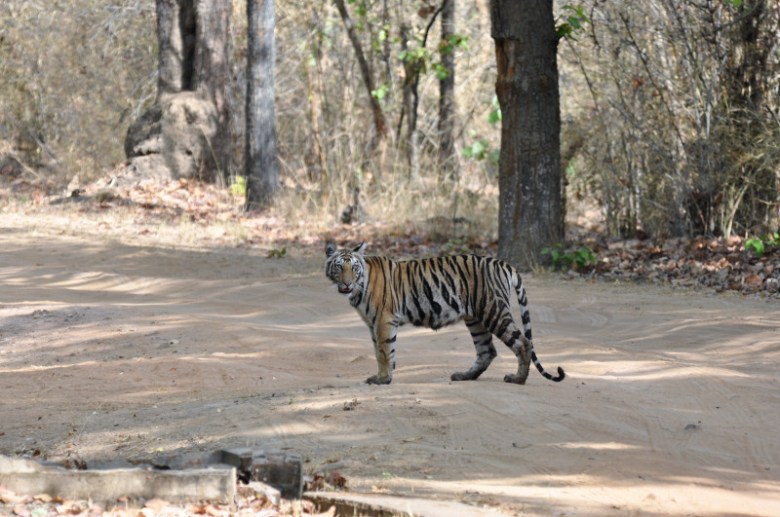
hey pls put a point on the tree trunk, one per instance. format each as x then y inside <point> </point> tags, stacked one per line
<point>354,211</point>
<point>448,160</point>
<point>531,204</point>
<point>211,77</point>
<point>411,100</point>
<point>368,79</point>
<point>262,168</point>
<point>186,132</point>
<point>176,24</point>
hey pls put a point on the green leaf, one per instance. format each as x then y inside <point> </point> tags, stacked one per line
<point>494,117</point>
<point>277,253</point>
<point>452,42</point>
<point>580,259</point>
<point>381,92</point>
<point>238,187</point>
<point>755,245</point>
<point>459,41</point>
<point>572,22</point>
<point>440,71</point>
<point>476,150</point>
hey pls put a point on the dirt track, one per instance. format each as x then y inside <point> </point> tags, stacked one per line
<point>671,405</point>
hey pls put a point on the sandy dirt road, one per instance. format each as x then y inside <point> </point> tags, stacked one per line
<point>111,350</point>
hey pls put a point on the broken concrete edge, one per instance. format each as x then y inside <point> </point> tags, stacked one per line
<point>184,478</point>
<point>280,469</point>
<point>217,483</point>
<point>346,505</point>
<point>271,494</point>
<point>388,505</point>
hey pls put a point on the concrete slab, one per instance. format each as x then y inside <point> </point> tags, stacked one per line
<point>18,465</point>
<point>216,484</point>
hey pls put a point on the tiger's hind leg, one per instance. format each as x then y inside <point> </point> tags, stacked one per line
<point>486,352</point>
<point>521,346</point>
<point>503,326</point>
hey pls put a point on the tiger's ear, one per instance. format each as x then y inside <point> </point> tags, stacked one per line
<point>330,248</point>
<point>361,248</point>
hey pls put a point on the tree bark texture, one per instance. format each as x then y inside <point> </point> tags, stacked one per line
<point>176,32</point>
<point>448,159</point>
<point>211,76</point>
<point>368,79</point>
<point>262,166</point>
<point>411,100</point>
<point>531,204</point>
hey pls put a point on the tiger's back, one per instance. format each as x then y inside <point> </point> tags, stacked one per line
<point>436,292</point>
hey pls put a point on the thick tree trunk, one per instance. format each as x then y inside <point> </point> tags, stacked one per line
<point>262,168</point>
<point>530,189</point>
<point>176,28</point>
<point>211,77</point>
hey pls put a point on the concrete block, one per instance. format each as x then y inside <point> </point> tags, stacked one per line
<point>217,484</point>
<point>177,478</point>
<point>239,457</point>
<point>281,470</point>
<point>258,488</point>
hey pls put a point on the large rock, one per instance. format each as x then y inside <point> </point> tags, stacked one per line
<point>173,139</point>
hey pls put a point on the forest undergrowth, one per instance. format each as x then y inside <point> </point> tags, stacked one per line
<point>196,214</point>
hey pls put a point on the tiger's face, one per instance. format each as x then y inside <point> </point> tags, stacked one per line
<point>346,268</point>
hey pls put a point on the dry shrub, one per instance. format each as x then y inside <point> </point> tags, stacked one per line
<point>678,116</point>
<point>326,136</point>
<point>72,76</point>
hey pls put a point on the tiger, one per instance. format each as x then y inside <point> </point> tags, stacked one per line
<point>436,292</point>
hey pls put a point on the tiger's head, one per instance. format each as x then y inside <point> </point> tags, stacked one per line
<point>345,267</point>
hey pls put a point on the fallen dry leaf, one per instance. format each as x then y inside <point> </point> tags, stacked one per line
<point>331,512</point>
<point>336,480</point>
<point>156,505</point>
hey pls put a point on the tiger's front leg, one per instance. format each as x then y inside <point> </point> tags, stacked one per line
<point>384,347</point>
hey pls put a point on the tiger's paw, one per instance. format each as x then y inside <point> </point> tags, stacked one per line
<point>376,379</point>
<point>514,379</point>
<point>465,376</point>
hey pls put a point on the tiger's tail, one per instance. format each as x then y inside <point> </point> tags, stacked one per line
<point>525,316</point>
